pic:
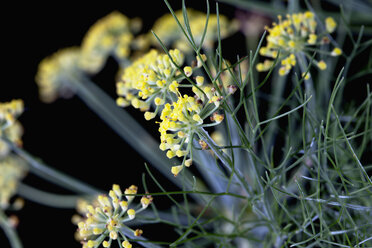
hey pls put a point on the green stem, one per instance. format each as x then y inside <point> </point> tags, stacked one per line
<point>284,114</point>
<point>52,175</point>
<point>12,235</point>
<point>277,92</point>
<point>225,160</point>
<point>355,157</point>
<point>48,199</point>
<point>309,84</point>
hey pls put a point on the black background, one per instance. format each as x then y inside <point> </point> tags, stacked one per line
<point>66,134</point>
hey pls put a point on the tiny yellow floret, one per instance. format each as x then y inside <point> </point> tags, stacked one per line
<point>330,24</point>
<point>199,80</point>
<point>188,162</point>
<point>117,190</point>
<point>113,235</point>
<point>217,117</point>
<point>282,71</point>
<point>336,51</point>
<point>131,213</point>
<point>199,62</point>
<point>292,44</point>
<point>260,67</point>
<point>126,244</point>
<point>159,101</point>
<point>91,244</point>
<point>170,154</point>
<point>174,87</point>
<point>322,65</point>
<point>187,70</point>
<point>312,39</point>
<point>149,115</point>
<point>176,169</point>
<point>145,201</point>
<point>180,153</point>
<point>123,205</point>
<point>307,77</point>
<point>138,232</point>
<point>197,118</point>
<point>97,231</point>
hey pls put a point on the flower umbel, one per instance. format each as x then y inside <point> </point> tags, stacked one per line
<point>9,111</point>
<point>106,217</point>
<point>179,123</point>
<point>295,34</point>
<point>169,32</point>
<point>152,77</point>
<point>12,170</point>
<point>52,72</point>
<point>109,35</point>
<point>10,128</point>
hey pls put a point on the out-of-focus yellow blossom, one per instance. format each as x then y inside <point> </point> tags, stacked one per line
<point>52,73</point>
<point>322,65</point>
<point>330,24</point>
<point>217,137</point>
<point>295,34</point>
<point>110,35</point>
<point>106,217</point>
<point>200,60</point>
<point>151,78</point>
<point>167,29</point>
<point>10,128</point>
<point>265,66</point>
<point>12,170</point>
<point>141,43</point>
<point>336,51</point>
<point>9,111</point>
<point>306,76</point>
<point>12,133</point>
<point>187,70</point>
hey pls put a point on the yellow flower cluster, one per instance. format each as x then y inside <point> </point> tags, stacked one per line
<point>12,170</point>
<point>152,77</point>
<point>167,29</point>
<point>110,35</point>
<point>11,129</point>
<point>179,121</point>
<point>9,111</point>
<point>52,72</point>
<point>106,217</point>
<point>12,133</point>
<point>182,118</point>
<point>295,34</point>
